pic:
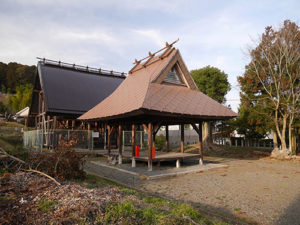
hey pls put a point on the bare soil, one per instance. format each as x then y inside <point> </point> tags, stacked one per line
<point>263,190</point>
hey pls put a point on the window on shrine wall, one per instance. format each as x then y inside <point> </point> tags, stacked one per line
<point>173,77</point>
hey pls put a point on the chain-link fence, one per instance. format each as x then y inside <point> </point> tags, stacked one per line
<point>141,139</point>
<point>38,139</point>
<point>81,139</point>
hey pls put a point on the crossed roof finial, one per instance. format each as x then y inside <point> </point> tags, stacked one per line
<point>151,55</point>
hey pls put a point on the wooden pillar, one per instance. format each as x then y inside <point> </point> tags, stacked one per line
<point>167,138</point>
<point>108,140</point>
<point>182,138</point>
<point>104,137</point>
<point>150,143</point>
<point>73,124</point>
<point>120,143</point>
<point>133,145</point>
<point>200,144</point>
<point>25,122</point>
<point>54,122</point>
<point>89,136</point>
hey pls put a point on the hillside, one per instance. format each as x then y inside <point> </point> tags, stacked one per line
<point>14,74</point>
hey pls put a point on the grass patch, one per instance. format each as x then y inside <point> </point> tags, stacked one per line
<point>5,198</point>
<point>46,205</point>
<point>156,202</point>
<point>128,191</point>
<point>145,209</point>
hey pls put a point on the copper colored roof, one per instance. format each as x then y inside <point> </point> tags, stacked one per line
<point>143,92</point>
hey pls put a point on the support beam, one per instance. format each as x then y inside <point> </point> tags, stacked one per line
<point>182,138</point>
<point>108,141</point>
<point>104,136</point>
<point>120,143</point>
<point>89,136</point>
<point>167,138</point>
<point>133,145</point>
<point>54,122</point>
<point>200,143</point>
<point>150,143</point>
<point>73,124</point>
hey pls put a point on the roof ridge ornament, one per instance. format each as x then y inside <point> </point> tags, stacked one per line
<point>150,55</point>
<point>148,58</point>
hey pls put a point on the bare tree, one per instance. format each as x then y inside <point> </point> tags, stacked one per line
<point>275,64</point>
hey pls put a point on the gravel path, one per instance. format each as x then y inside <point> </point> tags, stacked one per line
<point>266,191</point>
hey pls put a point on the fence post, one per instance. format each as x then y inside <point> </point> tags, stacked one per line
<point>42,140</point>
<point>123,138</point>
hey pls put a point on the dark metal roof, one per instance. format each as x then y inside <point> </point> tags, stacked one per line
<point>70,91</point>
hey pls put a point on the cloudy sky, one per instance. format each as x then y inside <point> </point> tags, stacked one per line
<point>111,34</point>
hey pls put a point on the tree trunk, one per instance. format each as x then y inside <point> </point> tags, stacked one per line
<point>284,151</point>
<point>298,148</point>
<point>206,130</point>
<point>275,141</point>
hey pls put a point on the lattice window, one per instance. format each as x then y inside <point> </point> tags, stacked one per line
<point>173,77</point>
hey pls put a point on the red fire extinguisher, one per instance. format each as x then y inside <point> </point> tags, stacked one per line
<point>137,151</point>
<point>153,152</point>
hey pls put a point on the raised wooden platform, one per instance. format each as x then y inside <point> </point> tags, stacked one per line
<point>162,156</point>
<point>159,156</point>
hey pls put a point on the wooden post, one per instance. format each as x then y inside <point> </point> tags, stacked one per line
<point>133,145</point>
<point>167,138</point>
<point>182,138</point>
<point>108,141</point>
<point>200,144</point>
<point>104,136</point>
<point>89,136</point>
<point>120,143</point>
<point>54,122</point>
<point>73,124</point>
<point>150,143</point>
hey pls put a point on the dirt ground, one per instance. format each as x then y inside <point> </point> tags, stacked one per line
<point>264,190</point>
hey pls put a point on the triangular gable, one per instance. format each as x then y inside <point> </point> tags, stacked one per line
<point>176,68</point>
<point>174,76</point>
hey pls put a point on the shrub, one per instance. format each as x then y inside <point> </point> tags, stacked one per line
<point>63,163</point>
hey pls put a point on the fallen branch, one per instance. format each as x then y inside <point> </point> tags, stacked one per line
<point>10,156</point>
<point>4,153</point>
<point>43,174</point>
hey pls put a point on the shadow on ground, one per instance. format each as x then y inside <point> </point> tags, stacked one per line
<point>218,213</point>
<point>137,183</point>
<point>291,215</point>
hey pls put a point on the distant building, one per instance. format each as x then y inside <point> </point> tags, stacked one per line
<point>63,92</point>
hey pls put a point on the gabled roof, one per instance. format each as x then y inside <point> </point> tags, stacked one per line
<point>145,91</point>
<point>72,91</point>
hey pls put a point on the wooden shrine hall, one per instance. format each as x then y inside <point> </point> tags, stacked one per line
<point>158,91</point>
